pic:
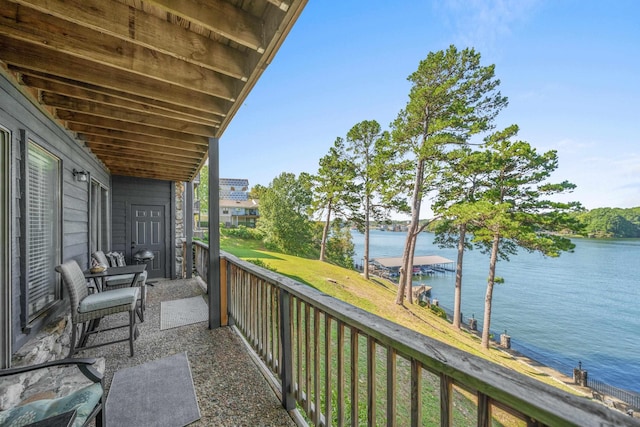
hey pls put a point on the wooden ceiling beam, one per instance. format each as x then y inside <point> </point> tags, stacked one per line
<point>121,156</point>
<point>151,172</point>
<point>119,20</point>
<point>105,142</point>
<point>118,113</point>
<point>83,128</point>
<point>219,17</point>
<point>135,150</point>
<point>75,89</point>
<point>280,4</point>
<point>142,129</point>
<point>61,36</point>
<point>40,59</point>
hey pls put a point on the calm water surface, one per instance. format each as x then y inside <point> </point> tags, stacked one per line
<point>583,306</point>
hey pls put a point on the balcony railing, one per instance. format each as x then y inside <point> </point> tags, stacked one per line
<point>340,365</point>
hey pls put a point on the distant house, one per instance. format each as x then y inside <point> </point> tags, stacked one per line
<point>235,206</point>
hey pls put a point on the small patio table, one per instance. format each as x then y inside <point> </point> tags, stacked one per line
<point>99,278</point>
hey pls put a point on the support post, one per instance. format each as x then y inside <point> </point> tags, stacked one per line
<point>288,400</point>
<point>188,228</point>
<point>213,272</point>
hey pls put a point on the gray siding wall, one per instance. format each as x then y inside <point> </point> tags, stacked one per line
<point>128,191</point>
<point>18,115</point>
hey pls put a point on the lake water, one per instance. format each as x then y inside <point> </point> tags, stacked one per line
<point>582,306</point>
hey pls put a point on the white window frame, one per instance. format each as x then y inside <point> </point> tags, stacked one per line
<point>40,270</point>
<point>99,217</point>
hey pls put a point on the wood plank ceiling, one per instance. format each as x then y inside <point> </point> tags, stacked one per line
<point>144,84</point>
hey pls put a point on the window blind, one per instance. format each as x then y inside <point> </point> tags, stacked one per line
<point>43,225</point>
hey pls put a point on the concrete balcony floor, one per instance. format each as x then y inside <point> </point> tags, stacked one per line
<point>230,388</point>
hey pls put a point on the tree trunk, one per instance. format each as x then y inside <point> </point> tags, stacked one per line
<point>457,301</point>
<point>489,295</point>
<point>409,285</point>
<point>325,234</point>
<point>407,255</point>
<point>365,267</point>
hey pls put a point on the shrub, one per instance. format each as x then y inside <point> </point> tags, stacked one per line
<point>438,311</point>
<point>242,232</point>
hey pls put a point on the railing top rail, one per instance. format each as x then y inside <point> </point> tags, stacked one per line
<point>547,404</point>
<point>201,243</point>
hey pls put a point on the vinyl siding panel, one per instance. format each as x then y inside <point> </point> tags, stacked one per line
<point>17,114</point>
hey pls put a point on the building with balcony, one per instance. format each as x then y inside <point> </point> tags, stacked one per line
<point>236,208</point>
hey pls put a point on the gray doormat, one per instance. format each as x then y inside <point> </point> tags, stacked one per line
<point>156,393</point>
<point>183,312</point>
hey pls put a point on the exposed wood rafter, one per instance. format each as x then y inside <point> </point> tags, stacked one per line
<point>144,84</point>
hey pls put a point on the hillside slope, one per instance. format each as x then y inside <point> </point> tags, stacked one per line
<point>378,296</point>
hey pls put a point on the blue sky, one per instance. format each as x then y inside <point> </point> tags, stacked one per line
<point>570,69</point>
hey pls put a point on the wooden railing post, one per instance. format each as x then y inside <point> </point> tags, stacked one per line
<point>224,295</point>
<point>416,393</point>
<point>288,400</point>
<point>446,401</point>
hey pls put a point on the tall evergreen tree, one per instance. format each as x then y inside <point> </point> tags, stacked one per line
<point>368,148</point>
<point>451,99</point>
<point>464,174</point>
<point>334,192</point>
<point>515,210</point>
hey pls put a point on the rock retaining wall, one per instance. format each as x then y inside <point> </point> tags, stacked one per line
<point>52,343</point>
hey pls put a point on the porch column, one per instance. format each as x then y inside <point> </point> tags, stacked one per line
<point>213,272</point>
<point>188,228</point>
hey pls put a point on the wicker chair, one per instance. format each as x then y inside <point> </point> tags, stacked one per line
<point>83,405</point>
<point>123,281</point>
<point>87,309</point>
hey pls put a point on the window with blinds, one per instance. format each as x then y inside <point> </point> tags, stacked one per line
<point>99,203</point>
<point>43,229</point>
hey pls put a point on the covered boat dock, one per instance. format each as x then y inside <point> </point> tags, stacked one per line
<point>425,264</point>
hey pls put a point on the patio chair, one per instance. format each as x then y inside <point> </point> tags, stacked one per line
<point>85,404</point>
<point>87,309</point>
<point>122,280</point>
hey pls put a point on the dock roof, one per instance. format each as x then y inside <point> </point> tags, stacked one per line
<point>394,262</point>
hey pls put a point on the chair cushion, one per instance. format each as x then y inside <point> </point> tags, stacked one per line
<point>106,299</point>
<point>83,401</point>
<point>116,259</point>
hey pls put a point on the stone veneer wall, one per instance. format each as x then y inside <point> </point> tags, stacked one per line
<point>179,225</point>
<point>51,343</point>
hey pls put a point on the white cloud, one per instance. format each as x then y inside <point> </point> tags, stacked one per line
<point>481,23</point>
